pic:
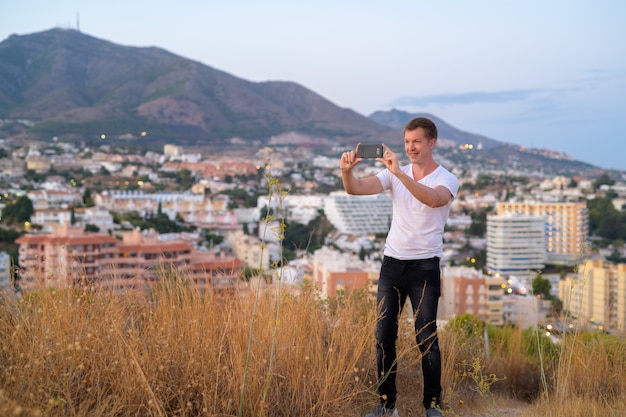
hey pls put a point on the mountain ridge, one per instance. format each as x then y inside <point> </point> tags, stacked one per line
<point>64,83</point>
<point>63,79</point>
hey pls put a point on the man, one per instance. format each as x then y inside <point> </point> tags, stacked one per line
<point>422,193</point>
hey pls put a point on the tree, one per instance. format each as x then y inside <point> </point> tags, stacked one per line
<point>91,228</point>
<point>87,199</point>
<point>477,260</point>
<point>184,179</point>
<point>362,253</point>
<point>249,272</point>
<point>605,220</point>
<point>310,237</point>
<point>478,227</point>
<point>8,235</point>
<point>557,306</point>
<point>18,211</point>
<point>213,239</point>
<point>604,179</point>
<point>541,286</point>
<point>616,256</point>
<point>266,211</point>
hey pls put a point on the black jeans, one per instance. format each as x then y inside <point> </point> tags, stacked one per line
<point>420,281</point>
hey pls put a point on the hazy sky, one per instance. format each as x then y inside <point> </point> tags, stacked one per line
<point>540,73</point>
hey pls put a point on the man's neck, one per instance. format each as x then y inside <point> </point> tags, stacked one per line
<point>422,170</point>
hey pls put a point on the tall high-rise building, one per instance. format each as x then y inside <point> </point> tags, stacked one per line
<point>566,227</point>
<point>363,214</point>
<point>516,243</point>
<point>597,295</point>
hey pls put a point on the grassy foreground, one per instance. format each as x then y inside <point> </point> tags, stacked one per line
<point>173,352</point>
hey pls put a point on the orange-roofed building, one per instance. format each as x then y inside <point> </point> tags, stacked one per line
<point>221,273</point>
<point>69,256</point>
<point>65,256</point>
<point>334,271</point>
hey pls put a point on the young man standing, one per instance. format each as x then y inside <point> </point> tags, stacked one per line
<point>422,193</point>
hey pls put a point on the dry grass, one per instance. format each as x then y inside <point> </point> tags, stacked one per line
<point>173,352</point>
<point>583,375</point>
<point>84,352</point>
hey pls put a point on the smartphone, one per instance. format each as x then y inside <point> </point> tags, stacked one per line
<point>370,151</point>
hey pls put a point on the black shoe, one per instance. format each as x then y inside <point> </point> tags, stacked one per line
<point>434,412</point>
<point>381,411</point>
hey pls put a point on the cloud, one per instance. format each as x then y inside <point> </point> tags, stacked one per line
<point>468,98</point>
<point>599,75</point>
<point>544,105</point>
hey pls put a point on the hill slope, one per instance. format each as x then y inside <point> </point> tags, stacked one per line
<point>65,81</point>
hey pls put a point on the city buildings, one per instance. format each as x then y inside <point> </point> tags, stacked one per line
<point>334,271</point>
<point>196,209</point>
<point>363,214</point>
<point>516,243</point>
<point>468,291</point>
<point>526,311</point>
<point>68,256</point>
<point>566,227</point>
<point>249,249</point>
<point>293,207</point>
<point>65,256</point>
<point>596,295</point>
<point>6,274</point>
<point>521,238</point>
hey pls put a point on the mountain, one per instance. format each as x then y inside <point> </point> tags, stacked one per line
<point>63,81</point>
<point>489,153</point>
<point>396,119</point>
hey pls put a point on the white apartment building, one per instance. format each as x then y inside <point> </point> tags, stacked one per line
<point>204,212</point>
<point>172,150</point>
<point>97,216</point>
<point>566,228</point>
<point>43,199</point>
<point>293,207</point>
<point>516,243</point>
<point>48,216</point>
<point>349,242</point>
<point>249,249</point>
<point>12,168</point>
<point>5,273</point>
<point>363,214</point>
<point>525,311</point>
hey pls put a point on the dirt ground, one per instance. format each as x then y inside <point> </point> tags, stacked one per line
<point>507,409</point>
<point>409,402</point>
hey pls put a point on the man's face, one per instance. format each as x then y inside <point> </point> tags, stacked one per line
<point>417,146</point>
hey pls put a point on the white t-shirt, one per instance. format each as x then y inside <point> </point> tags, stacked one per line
<point>416,230</point>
